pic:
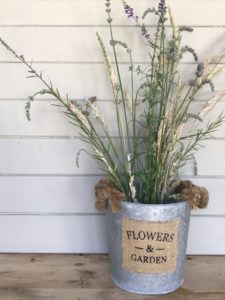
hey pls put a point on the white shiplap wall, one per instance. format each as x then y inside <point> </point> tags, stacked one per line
<point>46,203</point>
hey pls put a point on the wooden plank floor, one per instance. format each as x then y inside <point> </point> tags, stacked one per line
<point>82,277</point>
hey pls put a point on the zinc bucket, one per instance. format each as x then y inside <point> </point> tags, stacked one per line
<point>147,246</point>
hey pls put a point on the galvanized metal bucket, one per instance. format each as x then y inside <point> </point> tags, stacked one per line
<point>147,246</point>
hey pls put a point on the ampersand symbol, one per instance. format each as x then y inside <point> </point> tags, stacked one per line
<point>149,249</point>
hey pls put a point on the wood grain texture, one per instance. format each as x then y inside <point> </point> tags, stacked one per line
<point>69,277</point>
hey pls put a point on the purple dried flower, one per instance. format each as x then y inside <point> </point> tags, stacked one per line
<point>144,31</point>
<point>129,10</point>
<point>130,13</point>
<point>162,9</point>
<point>200,69</point>
<point>185,28</point>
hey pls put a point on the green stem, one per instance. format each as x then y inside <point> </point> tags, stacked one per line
<point>121,86</point>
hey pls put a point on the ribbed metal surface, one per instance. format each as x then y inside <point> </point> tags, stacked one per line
<point>147,283</point>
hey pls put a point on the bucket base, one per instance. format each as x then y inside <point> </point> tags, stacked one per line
<point>146,291</point>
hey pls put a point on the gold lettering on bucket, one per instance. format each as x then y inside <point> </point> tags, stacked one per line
<point>149,247</point>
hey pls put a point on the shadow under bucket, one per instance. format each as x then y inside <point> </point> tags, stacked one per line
<point>147,246</point>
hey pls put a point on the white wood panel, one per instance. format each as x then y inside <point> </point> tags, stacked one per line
<point>49,121</point>
<point>79,81</point>
<point>46,120</point>
<point>206,236</point>
<point>66,234</point>
<point>79,44</point>
<point>41,194</point>
<point>40,156</point>
<point>76,80</point>
<point>58,156</point>
<point>215,186</point>
<point>192,12</point>
<point>75,194</point>
<point>211,157</point>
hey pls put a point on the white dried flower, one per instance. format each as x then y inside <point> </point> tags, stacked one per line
<point>210,104</point>
<point>79,115</point>
<point>103,159</point>
<point>131,181</point>
<point>128,100</point>
<point>178,131</point>
<point>111,73</point>
<point>214,72</point>
<point>173,25</point>
<point>164,125</point>
<point>97,114</point>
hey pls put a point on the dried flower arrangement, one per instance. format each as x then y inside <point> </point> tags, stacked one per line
<point>152,118</point>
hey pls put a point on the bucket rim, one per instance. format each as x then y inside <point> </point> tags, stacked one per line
<point>166,205</point>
